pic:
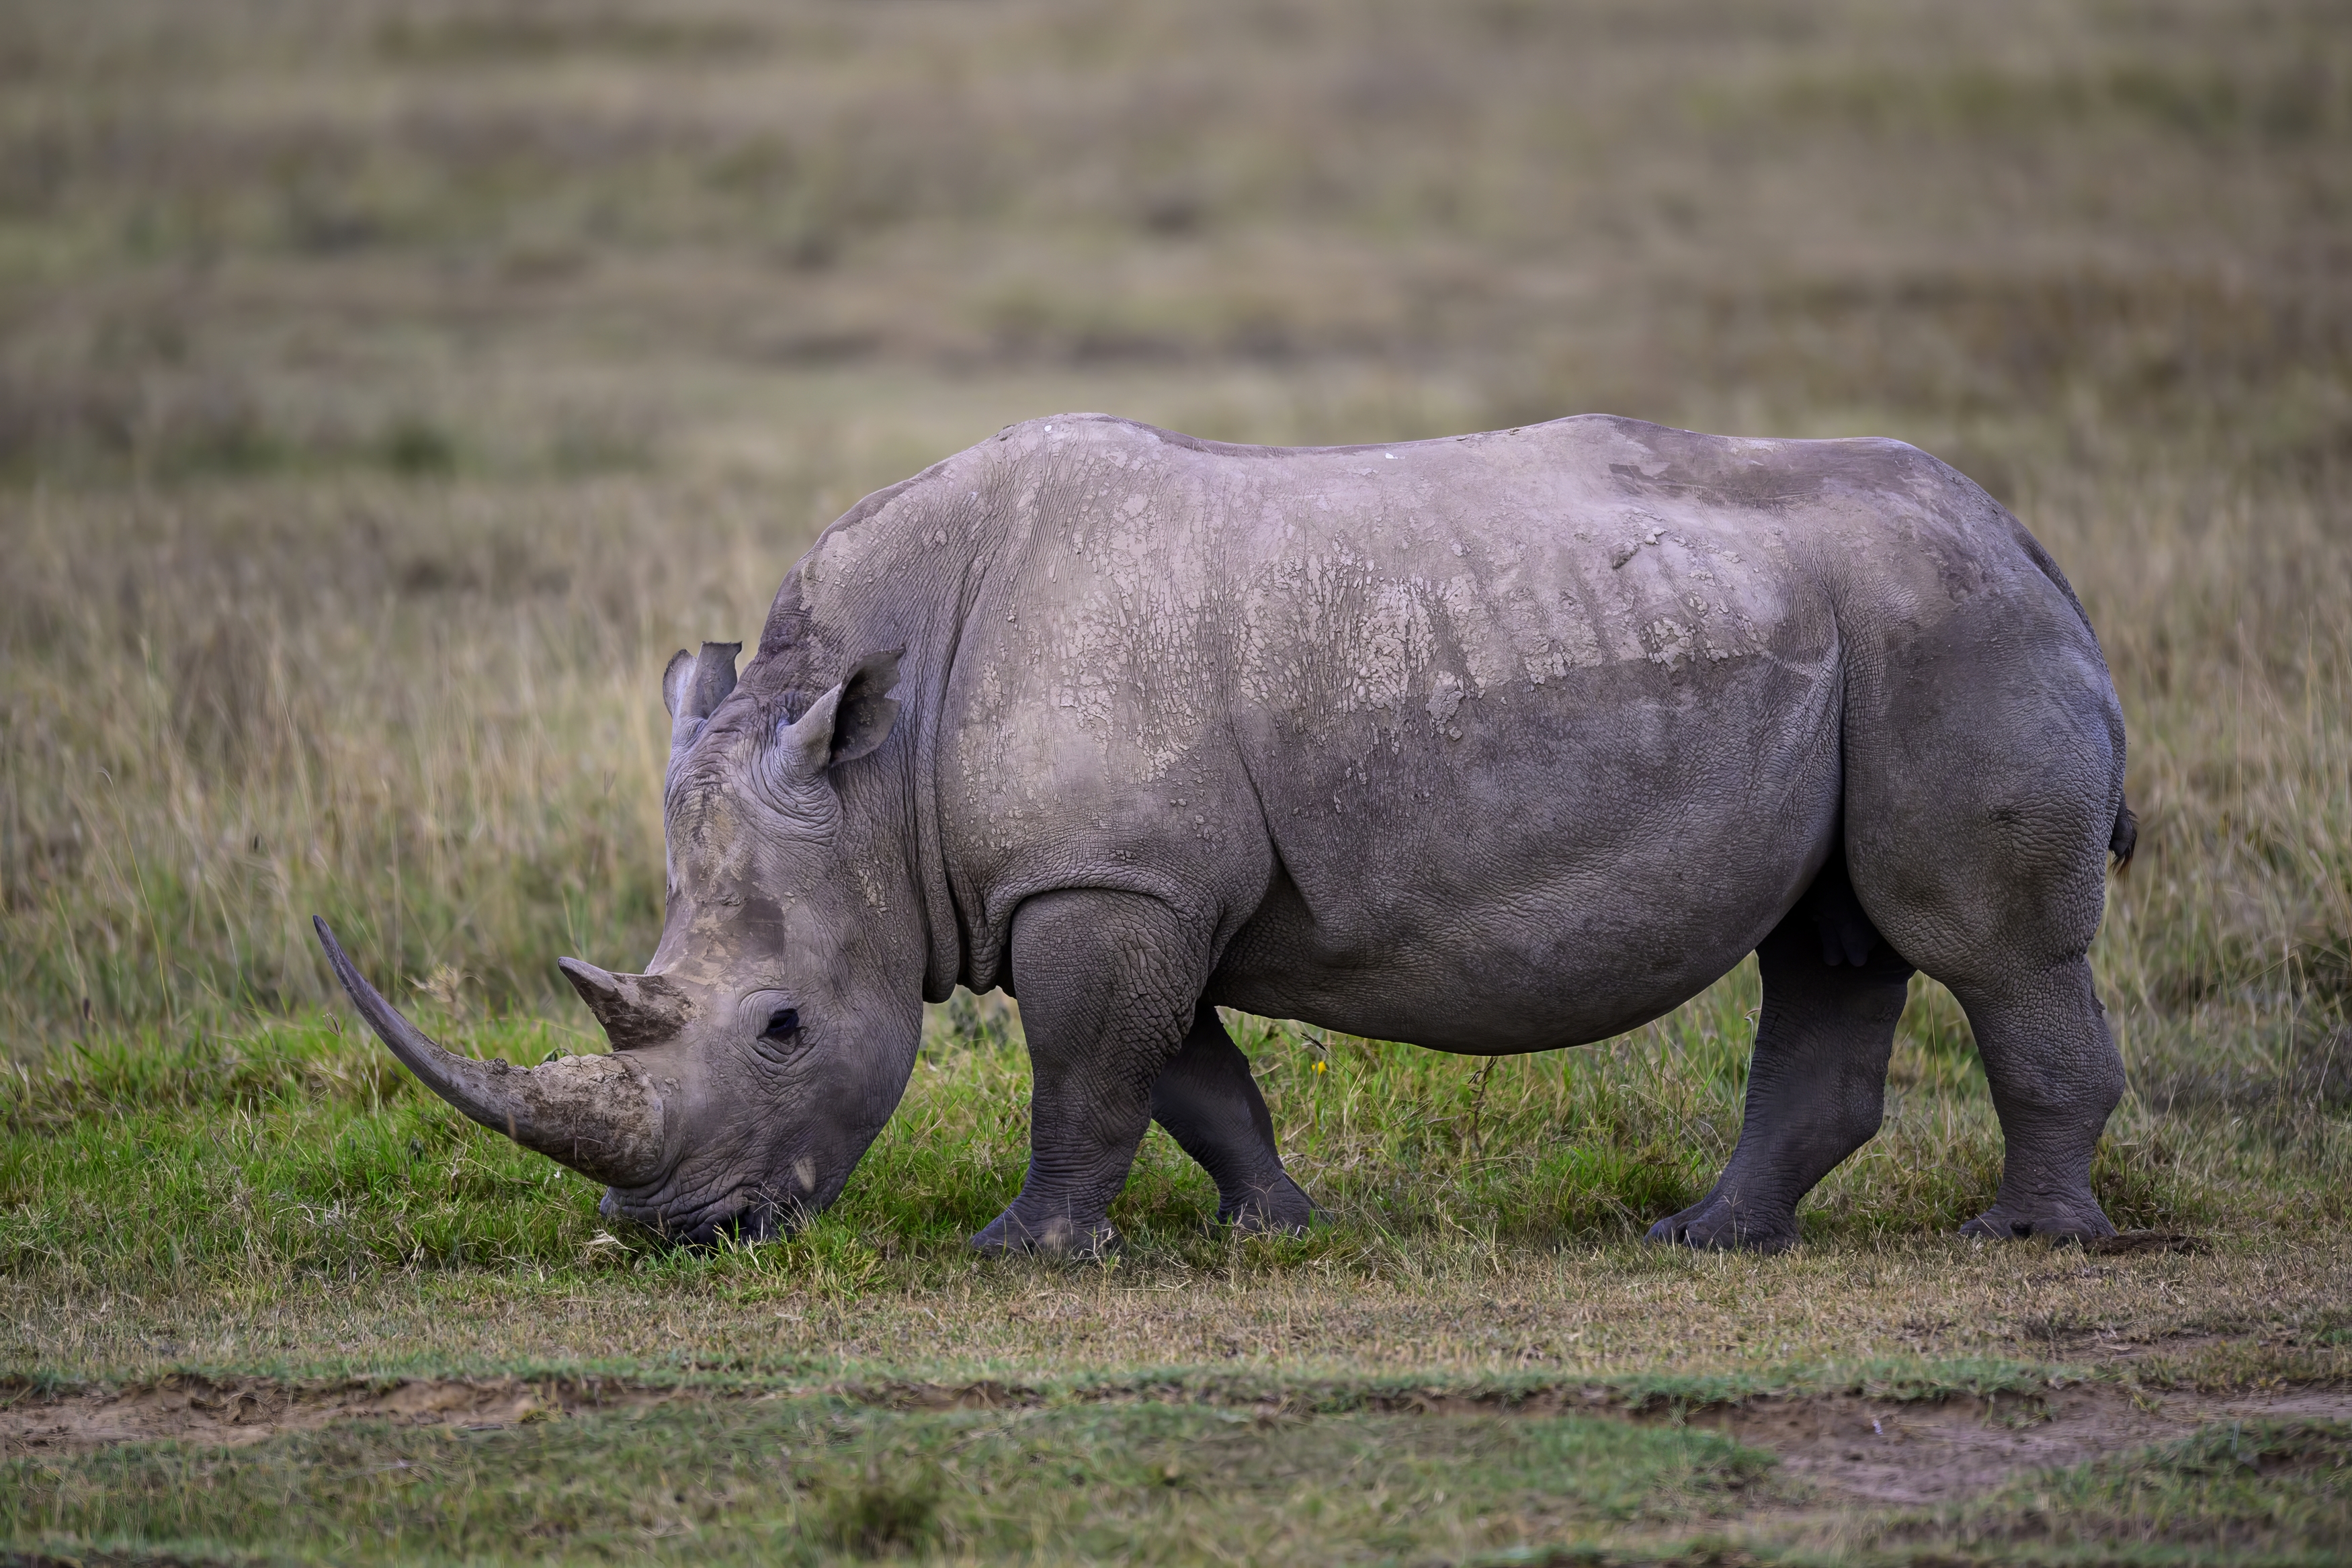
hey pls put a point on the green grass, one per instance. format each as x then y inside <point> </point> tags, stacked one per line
<point>816,1479</point>
<point>2232,1491</point>
<point>298,1151</point>
<point>799,1480</point>
<point>285,1202</point>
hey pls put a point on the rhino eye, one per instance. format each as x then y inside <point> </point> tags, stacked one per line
<point>783,1024</point>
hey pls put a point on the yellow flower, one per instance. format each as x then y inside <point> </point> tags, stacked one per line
<point>1322,1067</point>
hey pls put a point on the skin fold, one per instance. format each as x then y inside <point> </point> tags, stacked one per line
<point>1494,744</point>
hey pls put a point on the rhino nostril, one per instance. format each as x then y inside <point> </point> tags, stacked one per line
<point>2021,1228</point>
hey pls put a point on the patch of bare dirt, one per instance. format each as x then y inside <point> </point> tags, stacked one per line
<point>233,1413</point>
<point>1931,1452</point>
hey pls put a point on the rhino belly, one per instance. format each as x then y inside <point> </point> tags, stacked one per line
<point>1550,865</point>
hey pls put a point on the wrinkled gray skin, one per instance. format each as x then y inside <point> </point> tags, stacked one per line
<point>1495,744</point>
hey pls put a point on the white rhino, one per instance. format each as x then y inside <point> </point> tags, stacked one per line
<point>1494,744</point>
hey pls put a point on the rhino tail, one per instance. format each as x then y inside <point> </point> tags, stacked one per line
<point>2124,837</point>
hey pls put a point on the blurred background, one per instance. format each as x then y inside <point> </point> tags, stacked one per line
<point>387,387</point>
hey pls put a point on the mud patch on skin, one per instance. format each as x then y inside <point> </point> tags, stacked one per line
<point>234,1412</point>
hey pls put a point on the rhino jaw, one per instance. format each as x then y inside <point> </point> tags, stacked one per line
<point>600,1115</point>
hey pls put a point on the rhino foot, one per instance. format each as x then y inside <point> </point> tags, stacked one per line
<point>1716,1225</point>
<point>2082,1220</point>
<point>1282,1209</point>
<point>1009,1234</point>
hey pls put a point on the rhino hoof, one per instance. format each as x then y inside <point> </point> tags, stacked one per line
<point>1713,1227</point>
<point>1282,1210</point>
<point>1008,1235</point>
<point>2055,1229</point>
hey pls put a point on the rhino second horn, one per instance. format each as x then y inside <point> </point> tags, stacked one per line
<point>636,1009</point>
<point>597,1114</point>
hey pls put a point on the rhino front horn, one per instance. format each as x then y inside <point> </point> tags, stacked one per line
<point>597,1114</point>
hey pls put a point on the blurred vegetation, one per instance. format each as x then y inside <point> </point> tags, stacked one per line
<point>387,386</point>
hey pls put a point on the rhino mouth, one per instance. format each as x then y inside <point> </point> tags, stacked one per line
<point>743,1215</point>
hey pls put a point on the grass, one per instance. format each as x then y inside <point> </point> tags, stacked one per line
<point>2235,1490</point>
<point>298,1150</point>
<point>813,1479</point>
<point>386,390</point>
<point>804,1479</point>
<point>800,1480</point>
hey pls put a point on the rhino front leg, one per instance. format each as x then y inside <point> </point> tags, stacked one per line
<point>1107,983</point>
<point>1208,1100</point>
<point>1816,1086</point>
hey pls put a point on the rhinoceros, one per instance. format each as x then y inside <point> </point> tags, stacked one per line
<point>1494,744</point>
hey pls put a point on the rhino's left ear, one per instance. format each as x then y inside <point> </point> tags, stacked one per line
<point>847,722</point>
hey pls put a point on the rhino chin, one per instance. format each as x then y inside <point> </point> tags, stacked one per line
<point>598,1115</point>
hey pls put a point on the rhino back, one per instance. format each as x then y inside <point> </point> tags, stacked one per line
<point>1491,742</point>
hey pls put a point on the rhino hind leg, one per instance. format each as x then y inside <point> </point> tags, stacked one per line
<point>1208,1100</point>
<point>1984,793</point>
<point>2055,1078</point>
<point>1833,990</point>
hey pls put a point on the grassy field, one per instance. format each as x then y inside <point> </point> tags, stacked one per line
<point>387,387</point>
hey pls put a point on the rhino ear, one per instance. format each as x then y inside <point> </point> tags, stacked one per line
<point>696,684</point>
<point>845,723</point>
<point>714,676</point>
<point>867,710</point>
<point>678,681</point>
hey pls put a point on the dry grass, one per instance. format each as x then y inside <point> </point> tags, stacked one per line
<point>391,391</point>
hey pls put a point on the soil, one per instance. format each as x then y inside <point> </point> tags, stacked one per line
<point>1931,1452</point>
<point>233,1413</point>
<point>1870,1450</point>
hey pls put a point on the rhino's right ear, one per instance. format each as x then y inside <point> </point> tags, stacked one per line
<point>843,725</point>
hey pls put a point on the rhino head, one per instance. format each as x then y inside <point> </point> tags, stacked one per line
<point>768,1043</point>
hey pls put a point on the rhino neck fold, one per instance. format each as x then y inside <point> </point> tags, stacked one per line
<point>911,540</point>
<point>947,956</point>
